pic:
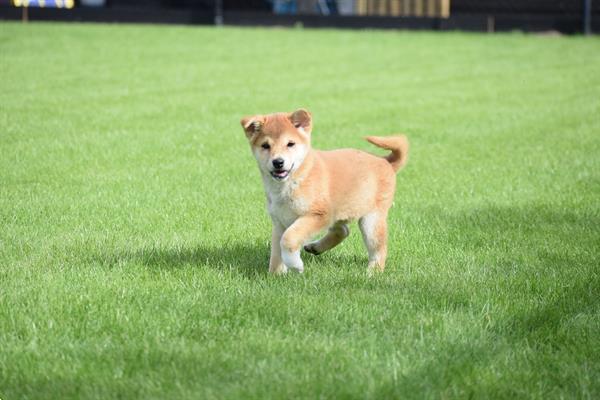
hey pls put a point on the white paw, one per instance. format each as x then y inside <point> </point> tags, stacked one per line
<point>280,270</point>
<point>292,260</point>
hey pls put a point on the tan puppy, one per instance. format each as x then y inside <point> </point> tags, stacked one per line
<point>310,190</point>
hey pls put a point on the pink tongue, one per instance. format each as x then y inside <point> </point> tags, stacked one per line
<point>282,173</point>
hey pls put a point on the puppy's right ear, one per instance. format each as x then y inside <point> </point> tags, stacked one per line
<point>252,125</point>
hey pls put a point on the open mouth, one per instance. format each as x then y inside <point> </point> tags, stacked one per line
<point>281,174</point>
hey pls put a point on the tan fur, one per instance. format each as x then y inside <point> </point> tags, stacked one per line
<point>318,190</point>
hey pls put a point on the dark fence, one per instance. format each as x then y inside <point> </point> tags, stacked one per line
<point>565,16</point>
<point>537,7</point>
<point>456,6</point>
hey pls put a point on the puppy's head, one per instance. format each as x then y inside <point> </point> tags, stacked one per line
<point>279,141</point>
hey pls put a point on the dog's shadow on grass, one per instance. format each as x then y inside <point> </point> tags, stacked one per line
<point>246,259</point>
<point>250,260</point>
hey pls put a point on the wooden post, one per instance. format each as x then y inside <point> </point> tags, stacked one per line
<point>381,7</point>
<point>396,7</point>
<point>24,14</point>
<point>418,8</point>
<point>445,8</point>
<point>371,7</point>
<point>429,8</point>
<point>360,7</point>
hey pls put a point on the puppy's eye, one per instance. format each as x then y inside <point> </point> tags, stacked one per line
<point>291,144</point>
<point>265,146</point>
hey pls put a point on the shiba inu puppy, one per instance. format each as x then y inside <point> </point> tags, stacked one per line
<point>309,190</point>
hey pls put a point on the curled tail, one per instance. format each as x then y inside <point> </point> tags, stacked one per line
<point>397,144</point>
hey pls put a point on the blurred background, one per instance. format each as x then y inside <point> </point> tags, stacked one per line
<point>565,16</point>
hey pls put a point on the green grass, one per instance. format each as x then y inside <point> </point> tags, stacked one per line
<point>134,237</point>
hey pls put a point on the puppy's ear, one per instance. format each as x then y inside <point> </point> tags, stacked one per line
<point>252,125</point>
<point>302,119</point>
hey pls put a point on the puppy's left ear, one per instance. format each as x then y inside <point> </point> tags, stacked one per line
<point>302,119</point>
<point>252,125</point>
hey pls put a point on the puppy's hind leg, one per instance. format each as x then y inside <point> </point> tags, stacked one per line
<point>373,227</point>
<point>336,234</point>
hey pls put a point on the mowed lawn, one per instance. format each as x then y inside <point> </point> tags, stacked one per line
<point>134,239</point>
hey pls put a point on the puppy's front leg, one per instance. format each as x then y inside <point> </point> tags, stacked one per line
<point>276,265</point>
<point>294,237</point>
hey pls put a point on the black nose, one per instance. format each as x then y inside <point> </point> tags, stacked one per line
<point>278,163</point>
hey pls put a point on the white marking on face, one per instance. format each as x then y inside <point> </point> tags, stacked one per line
<point>292,157</point>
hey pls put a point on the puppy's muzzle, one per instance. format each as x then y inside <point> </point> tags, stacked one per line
<point>278,163</point>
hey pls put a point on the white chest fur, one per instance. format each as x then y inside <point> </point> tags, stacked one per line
<point>283,202</point>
